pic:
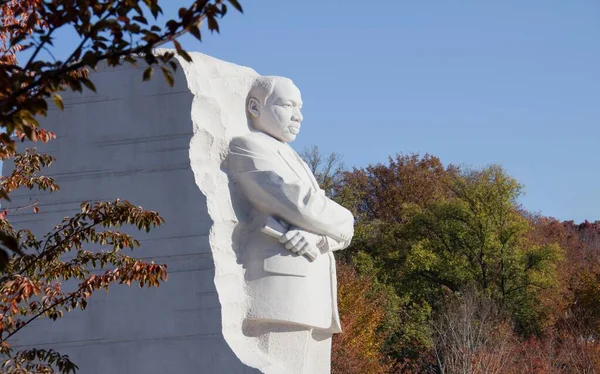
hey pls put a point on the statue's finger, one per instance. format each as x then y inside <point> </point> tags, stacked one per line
<point>287,236</point>
<point>303,249</point>
<point>296,239</point>
<point>300,245</point>
<point>292,244</point>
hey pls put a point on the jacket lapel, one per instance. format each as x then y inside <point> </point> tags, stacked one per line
<point>295,163</point>
<point>310,175</point>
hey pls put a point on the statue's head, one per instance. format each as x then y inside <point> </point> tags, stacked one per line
<point>273,107</point>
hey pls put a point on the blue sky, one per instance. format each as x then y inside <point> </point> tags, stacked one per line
<point>511,82</point>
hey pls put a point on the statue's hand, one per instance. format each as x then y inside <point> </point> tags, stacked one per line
<point>301,242</point>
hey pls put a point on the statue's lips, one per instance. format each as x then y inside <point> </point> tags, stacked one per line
<point>294,129</point>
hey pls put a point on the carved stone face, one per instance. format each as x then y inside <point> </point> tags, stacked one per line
<point>280,115</point>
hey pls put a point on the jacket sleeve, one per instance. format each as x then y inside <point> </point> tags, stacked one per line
<point>330,244</point>
<point>272,187</point>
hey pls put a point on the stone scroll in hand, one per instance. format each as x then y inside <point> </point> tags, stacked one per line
<point>276,229</point>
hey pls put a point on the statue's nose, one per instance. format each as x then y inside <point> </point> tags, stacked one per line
<point>297,117</point>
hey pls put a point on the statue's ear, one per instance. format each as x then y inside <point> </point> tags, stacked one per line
<point>254,107</point>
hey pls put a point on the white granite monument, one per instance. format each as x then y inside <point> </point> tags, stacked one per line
<point>248,238</point>
<point>290,282</point>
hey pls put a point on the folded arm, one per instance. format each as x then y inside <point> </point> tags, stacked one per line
<point>272,187</point>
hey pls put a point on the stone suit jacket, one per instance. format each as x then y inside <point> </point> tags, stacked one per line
<point>282,286</point>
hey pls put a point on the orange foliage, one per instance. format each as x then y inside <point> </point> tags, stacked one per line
<point>19,15</point>
<point>358,349</point>
<point>31,280</point>
<point>381,190</point>
<point>471,338</point>
<point>575,304</point>
<point>556,353</point>
<point>552,354</point>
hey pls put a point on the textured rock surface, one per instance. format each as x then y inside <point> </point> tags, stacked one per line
<point>162,148</point>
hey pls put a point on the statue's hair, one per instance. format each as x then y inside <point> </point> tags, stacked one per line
<point>262,88</point>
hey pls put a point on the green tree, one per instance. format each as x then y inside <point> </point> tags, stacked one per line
<point>382,197</point>
<point>431,232</point>
<point>477,239</point>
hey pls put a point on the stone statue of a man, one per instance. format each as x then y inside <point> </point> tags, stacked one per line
<point>291,282</point>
